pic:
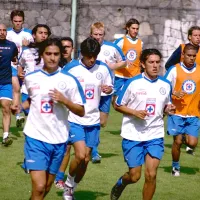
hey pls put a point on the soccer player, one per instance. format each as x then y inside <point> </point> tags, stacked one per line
<point>52,95</point>
<point>113,56</point>
<point>184,124</point>
<point>21,37</point>
<point>194,39</point>
<point>8,53</point>
<point>131,46</point>
<point>29,55</point>
<point>95,77</point>
<point>68,49</point>
<point>143,126</point>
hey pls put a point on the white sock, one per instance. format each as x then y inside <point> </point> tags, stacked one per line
<point>5,135</point>
<point>69,181</point>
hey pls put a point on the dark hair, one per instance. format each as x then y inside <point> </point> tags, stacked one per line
<point>191,29</point>
<point>67,39</point>
<point>148,52</point>
<point>189,47</point>
<point>45,44</point>
<point>19,13</point>
<point>130,22</point>
<point>34,30</point>
<point>90,47</point>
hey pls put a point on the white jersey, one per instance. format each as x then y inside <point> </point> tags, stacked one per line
<point>91,80</point>
<point>47,120</point>
<point>28,62</point>
<point>18,37</point>
<point>140,93</point>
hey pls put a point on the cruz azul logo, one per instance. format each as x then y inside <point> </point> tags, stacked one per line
<point>89,91</point>
<point>151,106</point>
<point>189,86</point>
<point>46,105</point>
<point>131,55</point>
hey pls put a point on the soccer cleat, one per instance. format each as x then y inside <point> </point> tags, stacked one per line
<point>96,159</point>
<point>175,172</point>
<point>190,151</point>
<point>59,184</point>
<point>7,141</point>
<point>19,121</point>
<point>116,191</point>
<point>68,193</point>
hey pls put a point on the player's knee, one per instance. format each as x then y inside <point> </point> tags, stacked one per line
<point>40,188</point>
<point>135,177</point>
<point>193,143</point>
<point>150,176</point>
<point>178,142</point>
<point>80,156</point>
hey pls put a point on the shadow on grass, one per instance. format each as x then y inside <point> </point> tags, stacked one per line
<point>170,146</point>
<point>114,132</point>
<point>184,170</point>
<point>86,195</point>
<point>16,131</point>
<point>108,155</point>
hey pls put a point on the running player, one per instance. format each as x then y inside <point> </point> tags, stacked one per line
<point>113,56</point>
<point>184,124</point>
<point>95,77</point>
<point>21,37</point>
<point>8,53</point>
<point>52,95</point>
<point>143,126</point>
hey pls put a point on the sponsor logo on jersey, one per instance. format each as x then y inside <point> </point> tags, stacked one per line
<point>80,79</point>
<point>89,91</point>
<point>141,92</point>
<point>189,86</point>
<point>35,87</point>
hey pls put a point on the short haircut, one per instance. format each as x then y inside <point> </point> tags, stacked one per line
<point>130,22</point>
<point>97,25</point>
<point>90,47</point>
<point>148,52</point>
<point>34,30</point>
<point>67,39</point>
<point>191,29</point>
<point>19,13</point>
<point>189,47</point>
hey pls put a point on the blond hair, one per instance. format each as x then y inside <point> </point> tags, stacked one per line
<point>97,25</point>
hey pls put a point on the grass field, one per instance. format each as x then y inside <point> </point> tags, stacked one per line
<point>99,179</point>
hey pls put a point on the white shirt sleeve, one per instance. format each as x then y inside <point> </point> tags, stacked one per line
<point>171,76</point>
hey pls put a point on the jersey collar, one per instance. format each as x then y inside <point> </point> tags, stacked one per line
<point>189,69</point>
<point>51,74</point>
<point>88,68</point>
<point>133,39</point>
<point>18,31</point>
<point>150,80</point>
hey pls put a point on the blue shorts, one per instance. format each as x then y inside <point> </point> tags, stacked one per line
<point>6,92</point>
<point>89,134</point>
<point>118,84</point>
<point>177,125</point>
<point>43,156</point>
<point>14,72</point>
<point>104,105</point>
<point>24,98</point>
<point>135,151</point>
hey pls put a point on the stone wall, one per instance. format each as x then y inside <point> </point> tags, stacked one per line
<point>164,23</point>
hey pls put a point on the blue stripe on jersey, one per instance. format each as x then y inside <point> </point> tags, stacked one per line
<point>189,69</point>
<point>51,74</point>
<point>9,29</point>
<point>124,88</point>
<point>98,62</point>
<point>36,71</point>
<point>118,40</point>
<point>168,71</point>
<point>80,89</point>
<point>116,47</point>
<point>27,30</point>
<point>70,65</point>
<point>150,80</point>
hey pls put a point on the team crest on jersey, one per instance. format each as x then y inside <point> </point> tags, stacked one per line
<point>131,55</point>
<point>189,86</point>
<point>106,53</point>
<point>62,85</point>
<point>46,106</point>
<point>89,91</point>
<point>151,106</point>
<point>99,75</point>
<point>162,91</point>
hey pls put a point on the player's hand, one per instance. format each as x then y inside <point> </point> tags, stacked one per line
<point>25,42</point>
<point>21,75</point>
<point>106,89</point>
<point>15,109</point>
<point>170,109</point>
<point>141,114</point>
<point>179,94</point>
<point>56,96</point>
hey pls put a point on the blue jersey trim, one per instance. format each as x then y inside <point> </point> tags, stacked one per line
<point>118,40</point>
<point>189,69</point>
<point>168,71</point>
<point>36,71</point>
<point>27,30</point>
<point>124,88</point>
<point>80,89</point>
<point>70,65</point>
<point>116,47</point>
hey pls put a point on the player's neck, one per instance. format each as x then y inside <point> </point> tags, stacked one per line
<point>148,76</point>
<point>50,70</point>
<point>17,30</point>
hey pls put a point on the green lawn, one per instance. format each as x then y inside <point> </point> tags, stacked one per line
<point>99,179</point>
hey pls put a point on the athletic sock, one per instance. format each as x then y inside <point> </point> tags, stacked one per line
<point>175,164</point>
<point>70,181</point>
<point>5,135</point>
